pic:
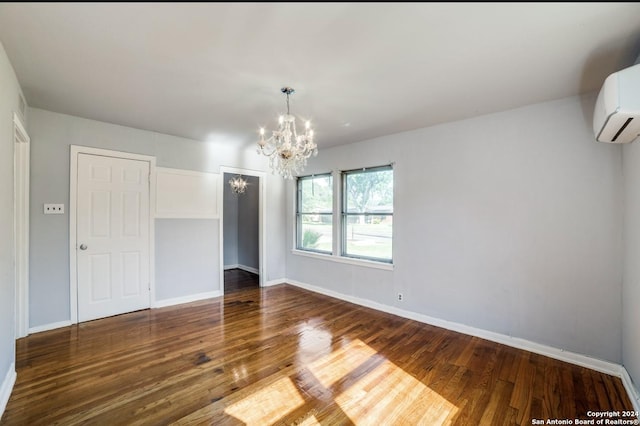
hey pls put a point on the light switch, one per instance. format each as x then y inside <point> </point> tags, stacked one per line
<point>54,209</point>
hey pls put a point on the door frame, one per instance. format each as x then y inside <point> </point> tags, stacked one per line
<point>21,216</point>
<point>73,194</point>
<point>262,190</point>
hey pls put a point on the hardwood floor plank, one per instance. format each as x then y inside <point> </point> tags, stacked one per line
<point>522,396</point>
<point>283,355</point>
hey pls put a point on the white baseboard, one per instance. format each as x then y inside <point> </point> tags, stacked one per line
<point>560,354</point>
<point>249,269</point>
<point>186,299</point>
<point>51,326</point>
<point>7,387</point>
<point>243,267</point>
<point>275,282</point>
<point>157,304</point>
<point>634,394</point>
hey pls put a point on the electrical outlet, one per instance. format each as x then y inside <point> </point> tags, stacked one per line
<point>400,297</point>
<point>54,209</point>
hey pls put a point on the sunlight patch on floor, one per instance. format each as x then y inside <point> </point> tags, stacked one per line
<point>333,367</point>
<point>388,395</point>
<point>268,404</point>
<point>367,388</point>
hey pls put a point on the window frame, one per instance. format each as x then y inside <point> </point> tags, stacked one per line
<point>344,215</point>
<point>337,229</point>
<point>299,213</point>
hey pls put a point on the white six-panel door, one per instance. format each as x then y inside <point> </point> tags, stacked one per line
<point>112,236</point>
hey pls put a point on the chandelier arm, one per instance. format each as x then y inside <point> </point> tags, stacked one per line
<point>268,149</point>
<point>268,154</point>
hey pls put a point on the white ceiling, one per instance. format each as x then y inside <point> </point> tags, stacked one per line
<point>213,71</point>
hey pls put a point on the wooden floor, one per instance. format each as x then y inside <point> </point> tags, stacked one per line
<point>238,279</point>
<point>283,355</point>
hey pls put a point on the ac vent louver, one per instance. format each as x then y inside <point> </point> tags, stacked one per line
<point>624,126</point>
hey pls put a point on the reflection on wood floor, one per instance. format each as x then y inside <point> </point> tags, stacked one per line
<point>283,355</point>
<point>238,279</point>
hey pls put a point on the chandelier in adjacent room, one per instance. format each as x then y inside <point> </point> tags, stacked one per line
<point>238,184</point>
<point>287,150</point>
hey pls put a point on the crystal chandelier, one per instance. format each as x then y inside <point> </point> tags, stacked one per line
<point>238,184</point>
<point>287,150</point>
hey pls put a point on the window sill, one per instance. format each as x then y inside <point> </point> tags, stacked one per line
<point>347,260</point>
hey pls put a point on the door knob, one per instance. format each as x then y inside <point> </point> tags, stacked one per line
<point>83,246</point>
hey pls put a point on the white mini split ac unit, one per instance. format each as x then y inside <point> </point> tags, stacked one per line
<point>616,118</point>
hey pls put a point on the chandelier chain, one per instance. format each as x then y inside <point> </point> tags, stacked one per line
<point>288,113</point>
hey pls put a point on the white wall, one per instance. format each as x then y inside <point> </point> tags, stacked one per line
<point>510,222</point>
<point>9,103</point>
<point>631,288</point>
<point>52,134</point>
<point>187,260</point>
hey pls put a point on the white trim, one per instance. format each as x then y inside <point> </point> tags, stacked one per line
<point>221,232</point>
<point>50,326</point>
<point>73,181</point>
<point>21,163</point>
<point>342,259</point>
<point>243,267</point>
<point>275,282</point>
<point>7,387</point>
<point>22,132</point>
<point>152,231</point>
<point>262,221</point>
<point>248,269</point>
<point>634,394</point>
<point>515,342</point>
<point>187,299</point>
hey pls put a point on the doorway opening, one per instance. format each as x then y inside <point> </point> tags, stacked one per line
<point>241,232</point>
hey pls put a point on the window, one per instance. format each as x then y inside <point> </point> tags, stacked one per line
<point>363,203</point>
<point>367,213</point>
<point>314,213</point>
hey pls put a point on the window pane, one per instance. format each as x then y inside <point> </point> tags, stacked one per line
<point>315,232</point>
<point>316,194</point>
<point>367,213</point>
<point>369,236</point>
<point>369,191</point>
